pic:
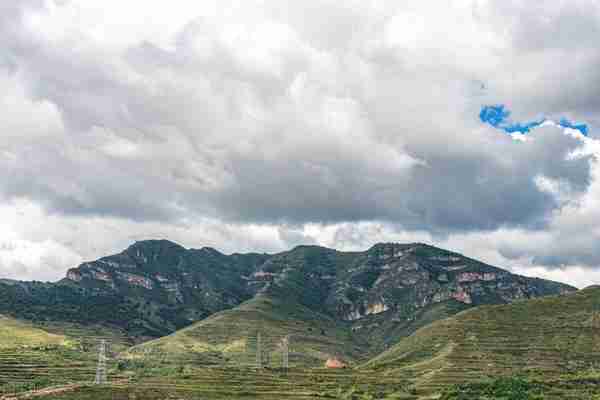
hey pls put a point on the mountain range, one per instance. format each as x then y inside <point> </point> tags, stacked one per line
<point>156,287</point>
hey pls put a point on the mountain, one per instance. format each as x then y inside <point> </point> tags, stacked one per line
<point>552,340</point>
<point>155,287</point>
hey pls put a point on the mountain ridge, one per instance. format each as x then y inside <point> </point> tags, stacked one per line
<point>154,287</point>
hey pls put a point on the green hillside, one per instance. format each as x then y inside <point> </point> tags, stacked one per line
<point>382,332</point>
<point>45,354</point>
<point>15,334</point>
<point>230,337</point>
<point>544,339</point>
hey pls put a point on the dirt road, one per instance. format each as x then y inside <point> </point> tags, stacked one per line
<point>40,393</point>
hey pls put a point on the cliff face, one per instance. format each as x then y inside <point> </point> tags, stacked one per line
<point>159,286</point>
<point>400,280</point>
<point>170,285</point>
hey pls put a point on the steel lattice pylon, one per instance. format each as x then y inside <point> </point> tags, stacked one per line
<point>101,369</point>
<point>258,351</point>
<point>286,353</point>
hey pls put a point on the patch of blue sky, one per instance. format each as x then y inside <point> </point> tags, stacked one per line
<point>494,115</point>
<point>498,116</point>
<point>522,127</point>
<point>583,128</point>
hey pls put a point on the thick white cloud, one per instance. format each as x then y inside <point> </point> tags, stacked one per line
<point>257,125</point>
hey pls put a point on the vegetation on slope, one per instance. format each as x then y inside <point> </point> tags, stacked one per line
<point>582,386</point>
<point>41,302</point>
<point>19,334</point>
<point>38,355</point>
<point>231,337</point>
<point>382,332</point>
<point>541,338</point>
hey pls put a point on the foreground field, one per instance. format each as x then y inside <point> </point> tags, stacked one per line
<point>216,383</point>
<point>347,385</point>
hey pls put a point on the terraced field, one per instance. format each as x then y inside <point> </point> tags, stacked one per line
<point>542,339</point>
<point>23,366</point>
<point>221,384</point>
<point>40,355</point>
<point>294,383</point>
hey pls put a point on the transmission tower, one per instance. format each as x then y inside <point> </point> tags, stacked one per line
<point>101,369</point>
<point>258,351</point>
<point>596,326</point>
<point>266,354</point>
<point>286,353</point>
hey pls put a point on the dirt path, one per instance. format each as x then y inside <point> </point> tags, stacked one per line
<point>41,392</point>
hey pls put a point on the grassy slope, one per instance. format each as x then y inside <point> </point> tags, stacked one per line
<point>46,354</point>
<point>382,332</point>
<point>231,335</point>
<point>15,333</point>
<point>542,338</point>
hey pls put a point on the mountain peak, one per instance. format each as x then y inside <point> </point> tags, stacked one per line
<point>209,251</point>
<point>310,247</point>
<point>153,243</point>
<point>391,246</point>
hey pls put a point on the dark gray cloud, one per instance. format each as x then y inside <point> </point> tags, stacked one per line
<point>292,114</point>
<point>447,192</point>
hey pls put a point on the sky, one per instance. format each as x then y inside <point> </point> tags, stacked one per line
<point>259,125</point>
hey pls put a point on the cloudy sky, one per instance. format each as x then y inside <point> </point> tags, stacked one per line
<point>259,125</point>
